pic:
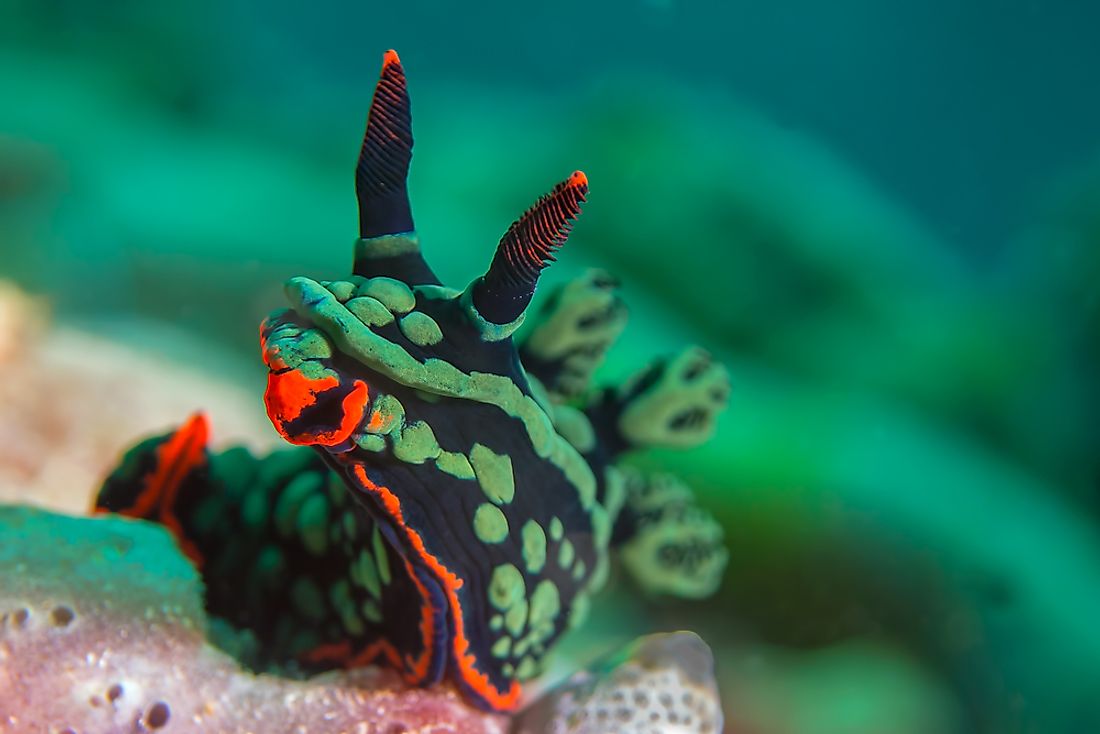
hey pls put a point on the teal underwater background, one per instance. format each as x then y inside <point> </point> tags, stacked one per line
<point>883,217</point>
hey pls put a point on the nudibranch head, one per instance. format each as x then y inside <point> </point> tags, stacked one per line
<point>414,394</point>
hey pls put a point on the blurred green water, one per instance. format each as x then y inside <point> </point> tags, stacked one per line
<point>882,217</point>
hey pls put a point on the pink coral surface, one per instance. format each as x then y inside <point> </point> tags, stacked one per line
<point>102,631</point>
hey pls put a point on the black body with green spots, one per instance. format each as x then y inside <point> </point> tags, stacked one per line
<point>456,509</point>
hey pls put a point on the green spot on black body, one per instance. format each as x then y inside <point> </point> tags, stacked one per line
<point>416,443</point>
<point>534,546</point>
<point>341,289</point>
<point>545,603</point>
<point>381,557</point>
<point>365,573</point>
<point>394,295</point>
<point>565,554</point>
<point>307,599</point>
<point>526,668</point>
<point>371,442</point>
<point>370,311</point>
<point>254,509</point>
<point>312,524</point>
<point>420,328</point>
<point>502,647</point>
<point>296,492</point>
<point>455,464</point>
<point>516,617</point>
<point>506,587</point>
<point>372,612</point>
<point>494,473</point>
<point>490,525</point>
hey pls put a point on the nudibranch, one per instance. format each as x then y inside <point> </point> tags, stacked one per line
<point>455,495</point>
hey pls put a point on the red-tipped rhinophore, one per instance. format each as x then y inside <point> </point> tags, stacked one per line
<point>380,177</point>
<point>526,248</point>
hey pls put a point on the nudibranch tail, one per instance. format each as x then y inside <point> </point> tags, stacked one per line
<point>148,484</point>
<point>526,249</point>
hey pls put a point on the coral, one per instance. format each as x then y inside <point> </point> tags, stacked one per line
<point>105,633</point>
<point>660,683</point>
<point>458,507</point>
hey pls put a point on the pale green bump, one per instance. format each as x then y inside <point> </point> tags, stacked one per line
<point>545,603</point>
<point>420,328</point>
<point>341,289</point>
<point>339,594</point>
<point>557,530</point>
<point>455,464</point>
<point>291,498</point>
<point>534,546</point>
<point>340,597</point>
<point>315,370</point>
<point>303,641</point>
<point>350,523</point>
<point>394,295</point>
<point>370,442</point>
<point>366,572</point>
<point>566,553</point>
<point>490,525</point>
<point>254,509</point>
<point>501,648</point>
<point>526,668</point>
<point>496,622</point>
<point>314,343</point>
<point>388,413</point>
<point>270,563</point>
<point>381,557</point>
<point>494,473</point>
<point>311,524</point>
<point>281,464</point>
<point>416,443</point>
<point>575,428</point>
<point>300,350</point>
<point>370,311</point>
<point>307,598</point>
<point>506,586</point>
<point>508,669</point>
<point>372,612</point>
<point>352,623</point>
<point>579,570</point>
<point>516,617</point>
<point>337,490</point>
